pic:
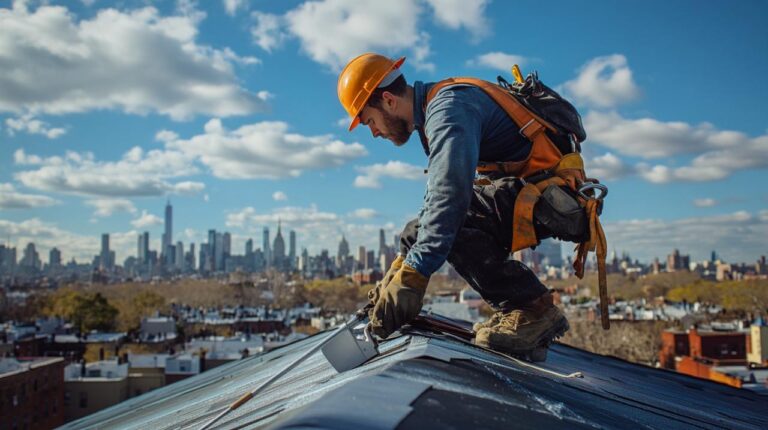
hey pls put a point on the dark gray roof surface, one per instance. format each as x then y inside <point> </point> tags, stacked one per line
<point>430,380</point>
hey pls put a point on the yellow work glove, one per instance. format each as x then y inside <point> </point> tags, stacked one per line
<point>373,294</point>
<point>399,301</point>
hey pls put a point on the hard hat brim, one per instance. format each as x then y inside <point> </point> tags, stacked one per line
<point>356,119</point>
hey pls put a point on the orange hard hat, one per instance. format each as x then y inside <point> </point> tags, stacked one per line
<point>359,78</point>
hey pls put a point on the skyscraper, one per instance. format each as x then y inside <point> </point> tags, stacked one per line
<point>278,250</point>
<point>292,250</point>
<point>105,254</point>
<point>249,247</point>
<point>142,253</point>
<point>266,247</point>
<point>168,235</point>
<point>54,258</point>
<point>31,259</point>
<point>210,264</point>
<point>382,243</point>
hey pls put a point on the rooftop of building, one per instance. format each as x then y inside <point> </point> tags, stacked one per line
<point>13,365</point>
<point>430,379</point>
<point>106,370</point>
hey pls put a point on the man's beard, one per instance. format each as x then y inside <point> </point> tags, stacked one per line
<point>397,128</point>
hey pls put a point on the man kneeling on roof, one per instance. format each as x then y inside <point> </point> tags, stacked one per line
<point>467,222</point>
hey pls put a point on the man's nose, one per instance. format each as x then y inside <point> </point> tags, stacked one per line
<point>374,131</point>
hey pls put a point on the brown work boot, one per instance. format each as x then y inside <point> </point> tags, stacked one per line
<point>490,322</point>
<point>526,331</point>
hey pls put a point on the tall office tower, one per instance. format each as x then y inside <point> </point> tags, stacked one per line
<point>105,263</point>
<point>551,252</point>
<point>54,258</point>
<point>292,250</point>
<point>204,264</point>
<point>179,263</point>
<point>143,252</point>
<point>361,256</point>
<point>218,251</point>
<point>30,259</point>
<point>191,257</point>
<point>168,234</point>
<point>382,243</point>
<point>266,247</point>
<point>278,250</point>
<point>226,244</point>
<point>210,264</point>
<point>343,251</point>
<point>248,247</point>
<point>370,260</point>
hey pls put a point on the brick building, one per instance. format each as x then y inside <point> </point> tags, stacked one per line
<point>31,393</point>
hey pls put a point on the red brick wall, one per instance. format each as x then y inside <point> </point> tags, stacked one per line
<point>33,399</point>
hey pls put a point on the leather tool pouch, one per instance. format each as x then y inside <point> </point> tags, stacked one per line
<point>558,214</point>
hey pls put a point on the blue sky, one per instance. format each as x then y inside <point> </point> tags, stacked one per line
<point>229,109</point>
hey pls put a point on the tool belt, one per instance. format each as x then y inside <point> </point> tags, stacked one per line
<point>554,196</point>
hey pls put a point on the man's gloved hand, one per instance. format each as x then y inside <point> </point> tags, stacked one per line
<point>374,293</point>
<point>399,301</point>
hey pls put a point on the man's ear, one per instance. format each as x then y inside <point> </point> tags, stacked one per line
<point>390,101</point>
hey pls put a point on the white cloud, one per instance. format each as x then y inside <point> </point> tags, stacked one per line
<point>371,175</point>
<point>497,60</point>
<point>107,207</point>
<point>607,167</point>
<point>267,31</point>
<point>136,61</point>
<point>364,213</point>
<point>11,199</point>
<point>29,124</point>
<point>233,6</point>
<point>720,152</point>
<point>738,236</point>
<point>279,196</point>
<point>166,136</point>
<point>603,82</point>
<point>705,202</point>
<point>455,14</point>
<point>138,173</point>
<point>146,219</point>
<point>264,150</point>
<point>333,32</point>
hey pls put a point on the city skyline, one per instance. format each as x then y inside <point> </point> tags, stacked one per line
<point>239,124</point>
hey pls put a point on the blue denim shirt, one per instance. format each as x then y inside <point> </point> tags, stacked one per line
<point>460,126</point>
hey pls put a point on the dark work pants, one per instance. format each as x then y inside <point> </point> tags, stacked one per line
<point>480,252</point>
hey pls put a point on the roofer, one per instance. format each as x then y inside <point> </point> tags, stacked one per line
<point>463,127</point>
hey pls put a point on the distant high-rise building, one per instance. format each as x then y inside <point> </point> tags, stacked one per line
<point>343,249</point>
<point>266,247</point>
<point>218,252</point>
<point>179,260</point>
<point>7,259</point>
<point>54,258</point>
<point>226,243</point>
<point>249,247</point>
<point>190,257</point>
<point>361,256</point>
<point>676,262</point>
<point>210,264</point>
<point>551,253</point>
<point>370,260</point>
<point>31,259</point>
<point>105,262</point>
<point>142,254</point>
<point>278,250</point>
<point>168,234</point>
<point>292,249</point>
<point>382,243</point>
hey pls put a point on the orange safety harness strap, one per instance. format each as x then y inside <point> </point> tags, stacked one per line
<point>568,171</point>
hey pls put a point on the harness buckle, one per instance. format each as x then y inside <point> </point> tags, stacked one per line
<point>522,129</point>
<point>590,186</point>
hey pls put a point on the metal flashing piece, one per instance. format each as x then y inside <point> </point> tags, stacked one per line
<point>346,351</point>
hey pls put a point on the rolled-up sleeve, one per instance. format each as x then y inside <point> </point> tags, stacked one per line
<point>453,128</point>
